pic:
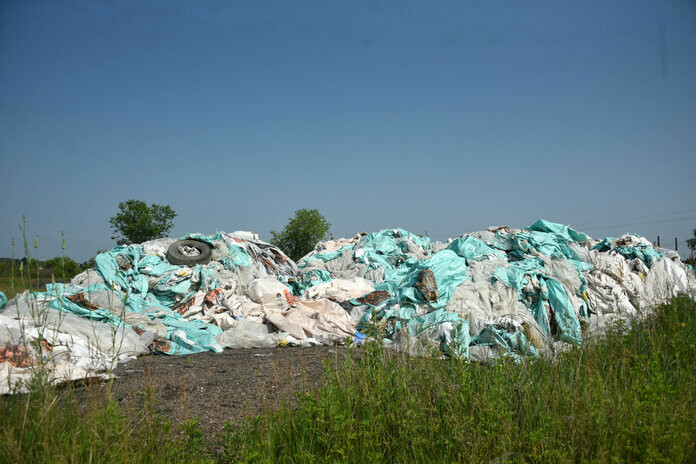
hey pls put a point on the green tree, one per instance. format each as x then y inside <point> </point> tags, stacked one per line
<point>691,243</point>
<point>301,233</point>
<point>63,268</point>
<point>136,222</point>
<point>89,264</point>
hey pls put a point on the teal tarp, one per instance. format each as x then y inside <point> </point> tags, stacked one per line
<point>305,280</point>
<point>472,248</point>
<point>238,257</point>
<point>563,312</point>
<point>512,342</point>
<point>645,253</point>
<point>559,230</point>
<point>128,269</point>
<point>330,255</point>
<point>547,300</point>
<point>449,270</point>
<point>515,275</point>
<point>387,248</point>
<point>185,337</point>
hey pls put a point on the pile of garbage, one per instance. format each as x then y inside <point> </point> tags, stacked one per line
<point>496,292</point>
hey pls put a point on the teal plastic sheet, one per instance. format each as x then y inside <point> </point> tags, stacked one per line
<point>511,342</point>
<point>381,243</point>
<point>329,255</point>
<point>546,300</point>
<point>406,316</point>
<point>305,280</point>
<point>645,253</point>
<point>183,337</point>
<point>63,304</point>
<point>238,257</point>
<point>120,266</point>
<point>314,277</point>
<point>202,238</point>
<point>459,337</point>
<point>604,245</point>
<point>189,337</point>
<point>449,270</point>
<point>3,300</point>
<point>472,248</point>
<point>563,312</point>
<point>551,290</point>
<point>560,230</point>
<point>538,309</point>
<point>128,268</point>
<point>515,275</point>
<point>387,249</point>
<point>546,243</point>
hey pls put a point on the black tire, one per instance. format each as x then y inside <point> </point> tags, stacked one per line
<point>175,257</point>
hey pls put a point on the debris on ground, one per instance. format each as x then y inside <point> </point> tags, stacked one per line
<point>496,292</point>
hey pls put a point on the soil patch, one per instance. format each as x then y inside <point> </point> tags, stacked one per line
<point>231,386</point>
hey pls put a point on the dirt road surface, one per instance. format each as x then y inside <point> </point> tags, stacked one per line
<point>216,388</point>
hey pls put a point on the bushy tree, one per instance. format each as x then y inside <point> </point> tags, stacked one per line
<point>301,233</point>
<point>89,264</point>
<point>63,268</point>
<point>691,243</point>
<point>136,222</point>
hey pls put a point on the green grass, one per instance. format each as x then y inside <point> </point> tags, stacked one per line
<point>627,398</point>
<point>14,281</point>
<point>10,289</point>
<point>53,425</point>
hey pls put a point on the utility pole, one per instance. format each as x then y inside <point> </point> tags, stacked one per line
<point>675,244</point>
<point>658,240</point>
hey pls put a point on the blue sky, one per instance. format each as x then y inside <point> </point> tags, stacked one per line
<point>442,117</point>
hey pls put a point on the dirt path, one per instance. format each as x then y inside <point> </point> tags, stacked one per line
<point>230,386</point>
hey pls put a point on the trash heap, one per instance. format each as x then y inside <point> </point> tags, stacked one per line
<point>499,291</point>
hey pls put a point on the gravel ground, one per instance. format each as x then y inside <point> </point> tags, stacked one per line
<point>234,385</point>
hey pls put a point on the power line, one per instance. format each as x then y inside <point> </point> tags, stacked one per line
<point>661,221</point>
<point>686,211</point>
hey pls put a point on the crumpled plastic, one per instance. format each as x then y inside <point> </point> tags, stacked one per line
<point>496,292</point>
<point>520,292</point>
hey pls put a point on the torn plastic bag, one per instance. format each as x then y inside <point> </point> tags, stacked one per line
<point>339,289</point>
<point>323,320</point>
<point>246,333</point>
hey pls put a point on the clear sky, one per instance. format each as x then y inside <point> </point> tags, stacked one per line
<point>444,117</point>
